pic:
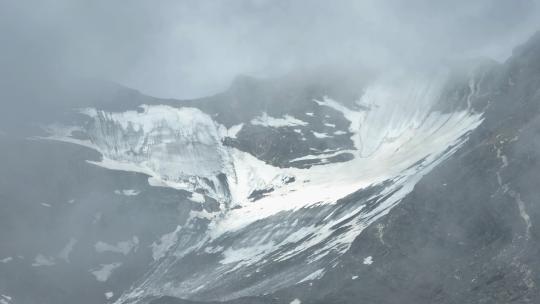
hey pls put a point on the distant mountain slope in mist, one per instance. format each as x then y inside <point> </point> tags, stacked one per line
<point>402,188</point>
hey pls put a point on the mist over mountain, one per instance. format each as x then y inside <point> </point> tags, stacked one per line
<point>269,152</point>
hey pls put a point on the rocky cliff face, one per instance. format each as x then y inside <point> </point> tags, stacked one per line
<point>466,233</point>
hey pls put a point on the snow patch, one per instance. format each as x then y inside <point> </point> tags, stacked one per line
<point>6,260</point>
<point>41,260</point>
<point>320,135</point>
<point>285,121</point>
<point>124,247</point>
<point>245,254</point>
<point>212,250</point>
<point>197,197</point>
<point>166,242</point>
<point>103,273</point>
<point>5,299</point>
<point>368,260</point>
<point>127,192</point>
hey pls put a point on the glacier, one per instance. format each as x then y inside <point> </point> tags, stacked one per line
<point>305,218</point>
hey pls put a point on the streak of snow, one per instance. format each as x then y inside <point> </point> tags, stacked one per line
<point>317,274</point>
<point>512,193</point>
<point>233,131</point>
<point>213,249</point>
<point>320,156</point>
<point>127,192</point>
<point>320,135</point>
<point>269,121</point>
<point>66,251</point>
<point>245,254</point>
<point>5,299</point>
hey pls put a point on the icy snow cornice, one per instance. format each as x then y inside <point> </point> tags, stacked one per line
<point>310,216</point>
<point>178,148</point>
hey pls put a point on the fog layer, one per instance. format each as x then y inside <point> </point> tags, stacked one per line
<point>186,49</point>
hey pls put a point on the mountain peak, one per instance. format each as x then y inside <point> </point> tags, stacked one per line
<point>530,47</point>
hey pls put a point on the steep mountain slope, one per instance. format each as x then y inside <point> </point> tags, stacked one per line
<point>466,233</point>
<point>404,188</point>
<point>268,213</point>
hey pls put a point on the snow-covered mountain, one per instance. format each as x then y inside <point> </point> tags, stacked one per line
<point>264,191</point>
<point>276,223</point>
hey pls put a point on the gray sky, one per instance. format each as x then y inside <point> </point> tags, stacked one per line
<point>187,49</point>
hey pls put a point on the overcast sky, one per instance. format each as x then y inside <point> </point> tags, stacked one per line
<point>186,49</point>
